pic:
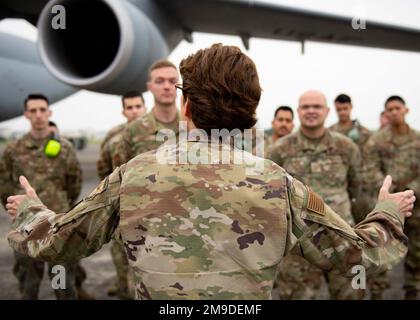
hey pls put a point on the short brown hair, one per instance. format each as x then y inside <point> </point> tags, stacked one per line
<point>35,96</point>
<point>222,87</point>
<point>161,64</point>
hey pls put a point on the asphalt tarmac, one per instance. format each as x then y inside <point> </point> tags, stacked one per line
<point>99,266</point>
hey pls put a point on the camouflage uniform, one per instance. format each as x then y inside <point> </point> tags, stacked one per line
<point>140,136</point>
<point>105,167</point>
<point>268,145</point>
<point>398,155</point>
<point>104,163</point>
<point>58,180</point>
<point>331,167</point>
<point>360,135</point>
<point>134,138</point>
<point>209,231</point>
<point>251,143</point>
<point>357,133</point>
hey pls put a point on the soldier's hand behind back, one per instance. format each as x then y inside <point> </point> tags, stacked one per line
<point>13,202</point>
<point>405,200</point>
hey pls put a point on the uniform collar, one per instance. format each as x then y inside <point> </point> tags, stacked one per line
<point>30,142</point>
<point>151,121</point>
<point>338,127</point>
<point>324,144</point>
<point>389,135</point>
<point>411,132</point>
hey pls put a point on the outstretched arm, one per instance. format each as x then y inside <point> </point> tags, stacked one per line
<point>66,237</point>
<point>326,240</point>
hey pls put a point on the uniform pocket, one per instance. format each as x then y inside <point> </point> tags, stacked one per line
<point>336,169</point>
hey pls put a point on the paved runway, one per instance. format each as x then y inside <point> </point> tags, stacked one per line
<point>99,266</point>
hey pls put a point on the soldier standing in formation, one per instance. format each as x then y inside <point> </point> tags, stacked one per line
<point>80,272</point>
<point>395,151</point>
<point>345,125</point>
<point>133,108</point>
<point>356,132</point>
<point>140,135</point>
<point>162,77</point>
<point>211,229</point>
<point>360,135</point>
<point>383,120</point>
<point>281,126</point>
<point>50,164</point>
<point>330,164</point>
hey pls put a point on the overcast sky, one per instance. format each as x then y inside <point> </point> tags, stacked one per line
<point>368,75</point>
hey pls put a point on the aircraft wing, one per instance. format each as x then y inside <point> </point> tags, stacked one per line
<point>256,19</point>
<point>248,18</point>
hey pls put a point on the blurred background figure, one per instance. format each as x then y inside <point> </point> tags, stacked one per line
<point>383,120</point>
<point>133,107</point>
<point>281,126</point>
<point>395,151</point>
<point>330,164</point>
<point>345,125</point>
<point>53,167</point>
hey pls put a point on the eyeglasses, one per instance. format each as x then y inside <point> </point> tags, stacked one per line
<point>180,87</point>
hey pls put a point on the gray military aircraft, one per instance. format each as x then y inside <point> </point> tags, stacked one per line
<point>108,45</point>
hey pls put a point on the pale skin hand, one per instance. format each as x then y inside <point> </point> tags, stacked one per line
<point>405,200</point>
<point>13,202</point>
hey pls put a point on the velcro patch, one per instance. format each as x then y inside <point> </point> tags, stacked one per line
<point>315,203</point>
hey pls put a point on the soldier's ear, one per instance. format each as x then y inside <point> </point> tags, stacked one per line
<point>187,111</point>
<point>149,85</point>
<point>49,112</point>
<point>407,110</point>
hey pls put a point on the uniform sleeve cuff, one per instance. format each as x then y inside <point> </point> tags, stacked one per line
<point>27,203</point>
<point>391,208</point>
<point>25,211</point>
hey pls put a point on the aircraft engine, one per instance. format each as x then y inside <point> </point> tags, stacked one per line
<point>105,45</point>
